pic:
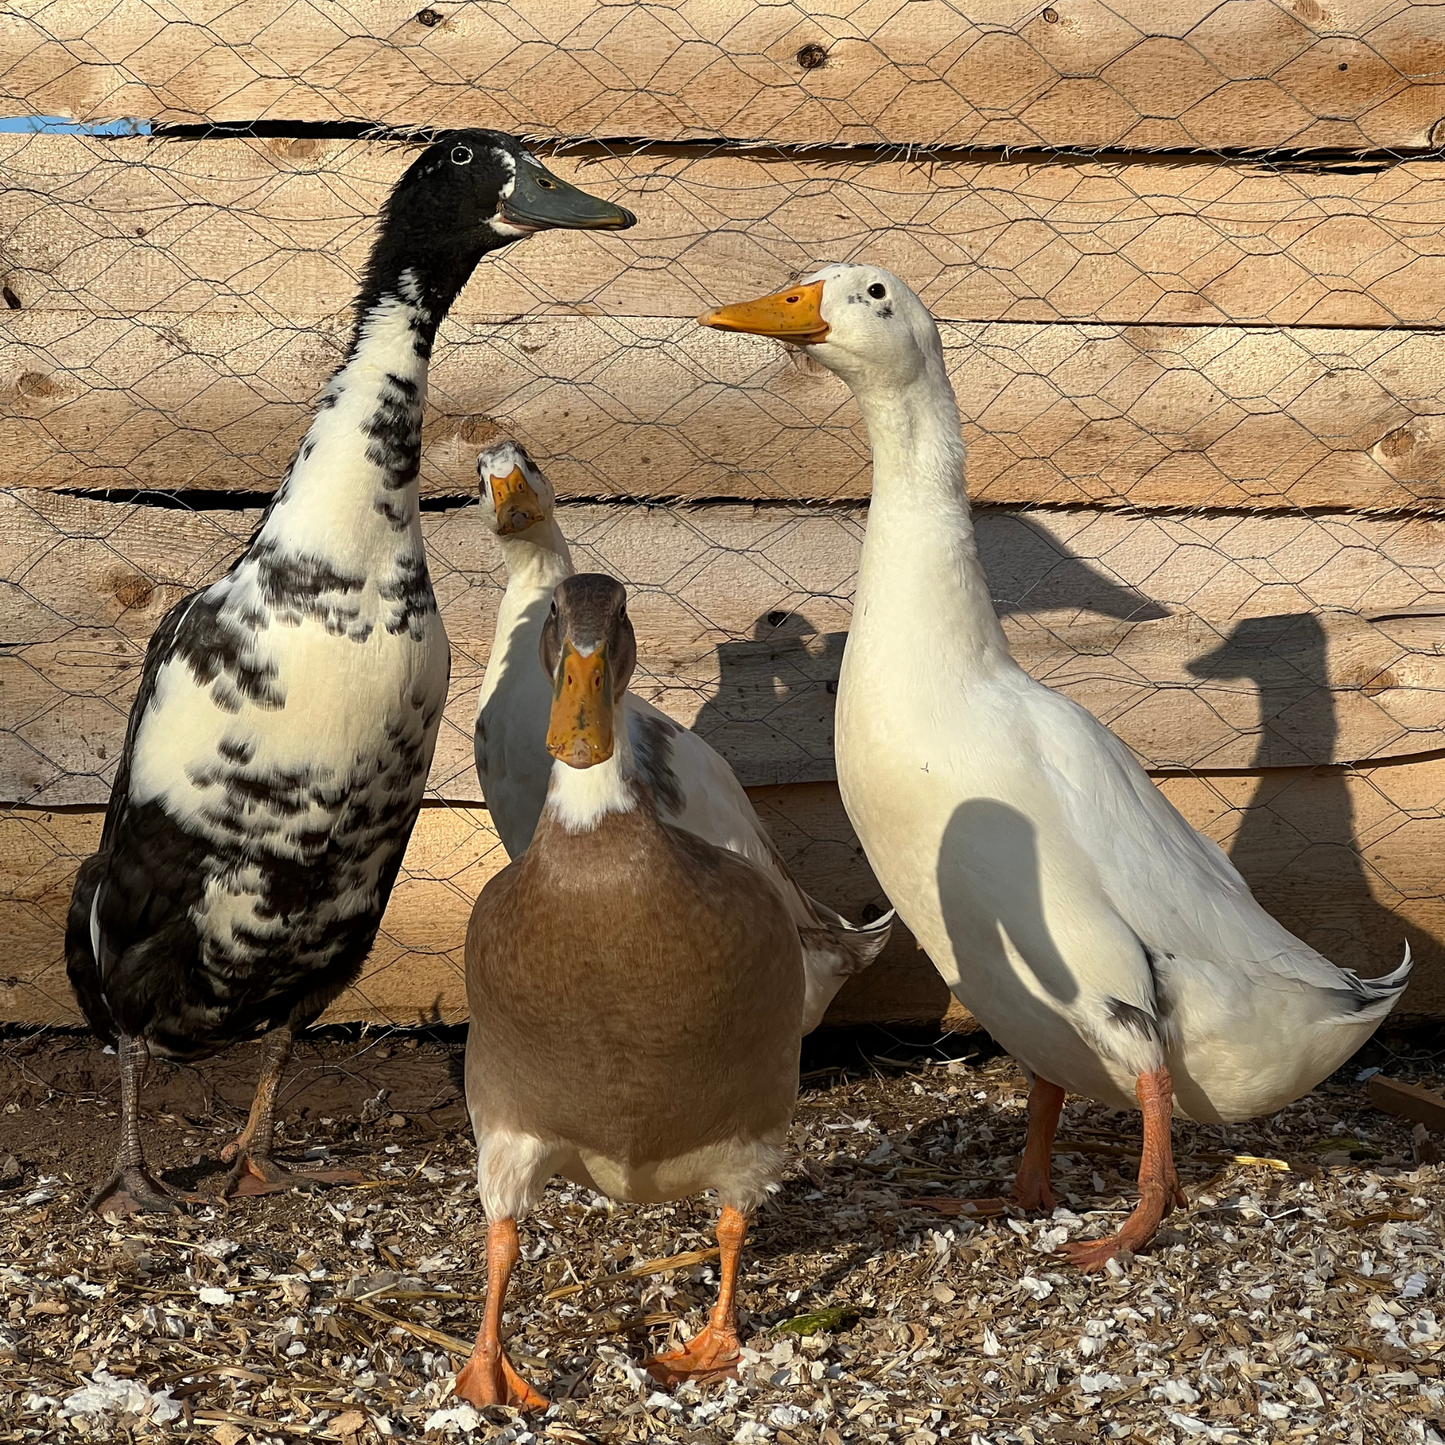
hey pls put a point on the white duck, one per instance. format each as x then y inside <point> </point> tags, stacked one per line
<point>1109,947</point>
<point>694,788</point>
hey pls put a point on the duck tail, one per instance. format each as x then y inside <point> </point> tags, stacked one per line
<point>1370,999</point>
<point>857,944</point>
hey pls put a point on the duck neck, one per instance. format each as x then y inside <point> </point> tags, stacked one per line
<point>920,560</point>
<point>537,559</point>
<point>579,798</point>
<point>352,490</point>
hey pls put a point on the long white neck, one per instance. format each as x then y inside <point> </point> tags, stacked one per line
<point>919,577</point>
<point>537,559</point>
<point>351,493</point>
<point>579,798</point>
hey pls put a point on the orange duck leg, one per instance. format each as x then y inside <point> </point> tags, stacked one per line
<point>712,1353</point>
<point>488,1377</point>
<point>1159,1189</point>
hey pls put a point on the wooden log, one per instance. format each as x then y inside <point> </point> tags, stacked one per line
<point>1348,858</point>
<point>281,228</point>
<point>1173,76</point>
<point>650,407</point>
<point>414,974</point>
<point>1205,642</point>
<point>1407,1101</point>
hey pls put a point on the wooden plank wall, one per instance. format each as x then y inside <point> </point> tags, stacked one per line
<point>1198,349</point>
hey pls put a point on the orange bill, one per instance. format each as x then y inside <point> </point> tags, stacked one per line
<point>580,730</point>
<point>793,315</point>
<point>518,506</point>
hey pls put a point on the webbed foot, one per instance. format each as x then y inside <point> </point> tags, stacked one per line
<point>711,1354</point>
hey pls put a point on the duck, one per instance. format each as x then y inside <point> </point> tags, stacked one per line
<point>692,785</point>
<point>1109,947</point>
<point>279,742</point>
<point>635,999</point>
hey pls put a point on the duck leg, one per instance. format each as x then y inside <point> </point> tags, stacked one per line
<point>1159,1189</point>
<point>1031,1184</point>
<point>488,1378</point>
<point>132,1188</point>
<point>712,1353</point>
<point>253,1170</point>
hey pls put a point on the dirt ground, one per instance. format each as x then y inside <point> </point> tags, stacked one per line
<point>1294,1300</point>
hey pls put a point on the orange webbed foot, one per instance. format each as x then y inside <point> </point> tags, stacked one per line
<point>494,1382</point>
<point>1032,1192</point>
<point>711,1354</point>
<point>1092,1255</point>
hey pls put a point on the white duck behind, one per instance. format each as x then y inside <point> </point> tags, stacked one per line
<point>692,784</point>
<point>1113,950</point>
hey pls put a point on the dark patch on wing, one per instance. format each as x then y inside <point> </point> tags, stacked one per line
<point>1132,1017</point>
<point>1154,960</point>
<point>652,745</point>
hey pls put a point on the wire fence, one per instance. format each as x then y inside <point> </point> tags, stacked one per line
<point>1201,396</point>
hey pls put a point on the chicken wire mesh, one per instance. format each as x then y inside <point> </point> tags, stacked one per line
<point>1200,395</point>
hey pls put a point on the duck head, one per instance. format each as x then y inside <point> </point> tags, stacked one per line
<point>861,322</point>
<point>589,650</point>
<point>515,492</point>
<point>466,194</point>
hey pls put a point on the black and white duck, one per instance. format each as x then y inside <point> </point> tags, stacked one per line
<point>636,1000</point>
<point>280,741</point>
<point>692,785</point>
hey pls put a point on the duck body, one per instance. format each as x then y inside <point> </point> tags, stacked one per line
<point>1063,898</point>
<point>1113,950</point>
<point>691,785</point>
<point>636,999</point>
<point>596,1002</point>
<point>279,747</point>
<point>279,744</point>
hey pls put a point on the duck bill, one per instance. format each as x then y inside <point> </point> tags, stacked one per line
<point>541,201</point>
<point>580,730</point>
<point>794,315</point>
<point>518,505</point>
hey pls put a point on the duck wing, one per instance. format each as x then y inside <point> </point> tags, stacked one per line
<point>131,902</point>
<point>1177,889</point>
<point>694,789</point>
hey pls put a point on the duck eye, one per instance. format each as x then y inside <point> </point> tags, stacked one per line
<point>877,291</point>
<point>461,155</point>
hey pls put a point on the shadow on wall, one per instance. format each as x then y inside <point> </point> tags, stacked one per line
<point>785,677</point>
<point>1297,844</point>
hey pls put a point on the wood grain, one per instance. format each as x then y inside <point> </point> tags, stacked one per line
<point>1349,859</point>
<point>1205,642</point>
<point>648,407</point>
<point>1407,1101</point>
<point>1173,75</point>
<point>281,228</point>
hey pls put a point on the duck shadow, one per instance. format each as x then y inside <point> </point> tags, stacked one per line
<point>1297,846</point>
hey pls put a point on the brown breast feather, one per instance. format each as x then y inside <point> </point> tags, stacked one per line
<point>634,991</point>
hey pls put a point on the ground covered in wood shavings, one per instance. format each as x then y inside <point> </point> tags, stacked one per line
<point>1299,1299</point>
